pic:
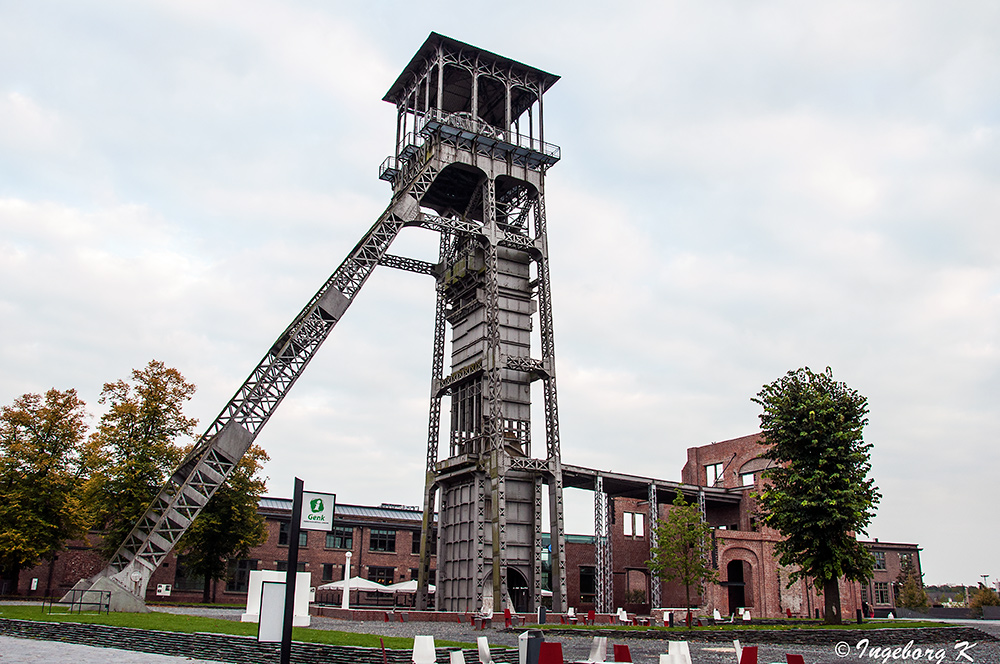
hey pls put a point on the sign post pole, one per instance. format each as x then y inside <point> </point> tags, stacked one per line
<point>291,573</point>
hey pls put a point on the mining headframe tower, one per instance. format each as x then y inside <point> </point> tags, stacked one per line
<point>469,164</point>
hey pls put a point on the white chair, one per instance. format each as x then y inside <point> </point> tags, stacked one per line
<point>598,650</point>
<point>484,651</point>
<point>739,650</point>
<point>423,650</point>
<point>716,615</point>
<point>680,652</point>
<point>456,657</point>
<point>746,615</point>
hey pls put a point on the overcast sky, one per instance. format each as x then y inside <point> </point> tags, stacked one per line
<point>746,188</point>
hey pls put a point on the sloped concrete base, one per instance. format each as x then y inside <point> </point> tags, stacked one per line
<point>85,596</point>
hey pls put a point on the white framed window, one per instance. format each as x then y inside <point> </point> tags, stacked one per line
<point>634,524</point>
<point>713,474</point>
<point>747,479</point>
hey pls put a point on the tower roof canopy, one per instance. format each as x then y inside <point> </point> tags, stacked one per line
<point>416,65</point>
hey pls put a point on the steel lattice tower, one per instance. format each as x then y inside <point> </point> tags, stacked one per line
<point>477,122</point>
<point>470,164</point>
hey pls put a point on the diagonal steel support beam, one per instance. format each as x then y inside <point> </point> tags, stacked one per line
<point>207,466</point>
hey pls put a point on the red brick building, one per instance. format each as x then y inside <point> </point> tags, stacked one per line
<point>881,592</point>
<point>384,542</point>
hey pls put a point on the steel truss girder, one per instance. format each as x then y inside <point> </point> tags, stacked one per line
<point>474,229</point>
<point>602,544</point>
<point>207,466</point>
<point>654,515</point>
<point>433,432</point>
<point>408,264</point>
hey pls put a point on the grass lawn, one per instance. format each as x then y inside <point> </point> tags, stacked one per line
<point>170,622</point>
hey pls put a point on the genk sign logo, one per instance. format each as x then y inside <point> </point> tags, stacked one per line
<point>318,512</point>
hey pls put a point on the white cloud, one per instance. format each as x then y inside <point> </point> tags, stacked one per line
<point>745,189</point>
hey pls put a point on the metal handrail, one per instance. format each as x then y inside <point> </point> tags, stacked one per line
<point>465,122</point>
<point>81,600</point>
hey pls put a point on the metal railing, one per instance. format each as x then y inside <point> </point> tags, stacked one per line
<point>79,601</point>
<point>464,123</point>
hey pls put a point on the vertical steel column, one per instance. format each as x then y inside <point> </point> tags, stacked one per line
<point>494,394</point>
<point>551,402</point>
<point>654,517</point>
<point>433,435</point>
<point>479,578</point>
<point>602,545</point>
<point>536,590</point>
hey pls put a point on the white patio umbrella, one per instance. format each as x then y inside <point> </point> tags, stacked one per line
<point>357,583</point>
<point>408,587</point>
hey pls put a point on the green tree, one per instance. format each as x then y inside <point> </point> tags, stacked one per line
<point>819,493</point>
<point>229,525</point>
<point>683,547</point>
<point>911,594</point>
<point>983,597</point>
<point>43,464</point>
<point>139,439</point>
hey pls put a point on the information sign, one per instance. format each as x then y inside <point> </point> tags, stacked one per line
<point>317,510</point>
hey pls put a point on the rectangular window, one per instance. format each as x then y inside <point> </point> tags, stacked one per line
<point>415,549</point>
<point>880,560</point>
<point>746,479</point>
<point>328,572</point>
<point>340,538</point>
<point>239,575</point>
<point>905,560</point>
<point>383,575</point>
<point>283,531</point>
<point>382,539</point>
<point>588,584</point>
<point>864,593</point>
<point>282,566</point>
<point>713,474</point>
<point>185,578</point>
<point>882,592</point>
<point>634,524</point>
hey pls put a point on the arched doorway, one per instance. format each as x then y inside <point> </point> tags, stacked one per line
<point>517,588</point>
<point>736,585</point>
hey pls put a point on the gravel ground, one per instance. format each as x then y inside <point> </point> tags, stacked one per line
<point>575,648</point>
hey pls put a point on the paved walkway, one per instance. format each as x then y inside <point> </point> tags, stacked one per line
<point>29,651</point>
<point>575,648</point>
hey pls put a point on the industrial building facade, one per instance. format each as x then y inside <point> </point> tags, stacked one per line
<point>385,545</point>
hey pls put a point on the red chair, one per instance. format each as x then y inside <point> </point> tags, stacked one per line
<point>550,652</point>
<point>622,653</point>
<point>795,659</point>
<point>506,618</point>
<point>749,655</point>
<point>591,617</point>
